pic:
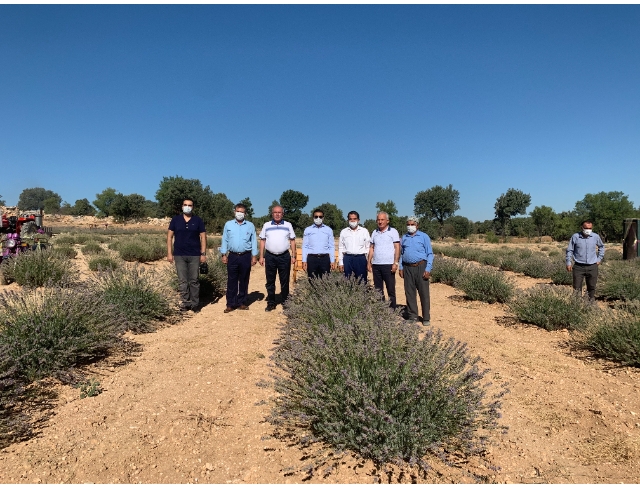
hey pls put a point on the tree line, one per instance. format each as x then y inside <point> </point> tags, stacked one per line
<point>436,207</point>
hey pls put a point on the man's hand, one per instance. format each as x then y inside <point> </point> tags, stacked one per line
<point>341,267</point>
<point>203,259</point>
<point>401,274</point>
<point>170,258</point>
<point>254,259</point>
<point>225,259</point>
<point>569,268</point>
<point>369,268</point>
<point>426,275</point>
<point>333,266</point>
<point>261,261</point>
<point>394,268</point>
<point>293,260</point>
<point>304,266</point>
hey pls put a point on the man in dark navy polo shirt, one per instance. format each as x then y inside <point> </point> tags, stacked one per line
<point>189,250</point>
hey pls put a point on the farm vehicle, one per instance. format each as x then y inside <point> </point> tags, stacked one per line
<point>21,231</point>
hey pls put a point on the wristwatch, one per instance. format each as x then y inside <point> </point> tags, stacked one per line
<point>204,254</point>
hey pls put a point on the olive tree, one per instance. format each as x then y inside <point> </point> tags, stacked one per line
<point>513,202</point>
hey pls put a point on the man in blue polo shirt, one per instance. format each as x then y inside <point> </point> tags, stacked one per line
<point>587,250</point>
<point>188,251</point>
<point>239,240</point>
<point>415,269</point>
<point>318,247</point>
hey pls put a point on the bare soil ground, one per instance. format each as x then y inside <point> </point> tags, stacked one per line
<point>190,408</point>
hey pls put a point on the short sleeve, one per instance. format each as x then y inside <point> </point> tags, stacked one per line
<point>263,232</point>
<point>201,224</point>
<point>292,234</point>
<point>396,236</point>
<point>172,225</point>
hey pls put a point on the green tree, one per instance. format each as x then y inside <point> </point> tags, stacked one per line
<point>174,189</point>
<point>219,212</point>
<point>152,209</point>
<point>293,202</point>
<point>461,226</point>
<point>566,224</point>
<point>2,203</point>
<point>247,202</point>
<point>51,205</point>
<point>437,203</point>
<point>333,217</point>
<point>544,219</point>
<point>522,227</point>
<point>34,198</point>
<point>83,207</point>
<point>104,201</point>
<point>607,212</point>
<point>513,202</point>
<point>370,224</point>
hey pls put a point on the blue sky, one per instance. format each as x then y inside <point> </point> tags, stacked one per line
<point>348,104</point>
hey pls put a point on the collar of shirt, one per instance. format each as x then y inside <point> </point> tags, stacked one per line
<point>273,222</point>
<point>243,222</point>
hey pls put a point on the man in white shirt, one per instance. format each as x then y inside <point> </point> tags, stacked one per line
<point>353,248</point>
<point>277,238</point>
<point>384,255</point>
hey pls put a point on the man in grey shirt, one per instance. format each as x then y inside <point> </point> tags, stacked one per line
<point>587,250</point>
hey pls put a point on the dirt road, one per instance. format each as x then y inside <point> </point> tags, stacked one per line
<point>189,408</point>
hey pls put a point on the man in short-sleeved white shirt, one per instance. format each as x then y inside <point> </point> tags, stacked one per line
<point>277,254</point>
<point>384,254</point>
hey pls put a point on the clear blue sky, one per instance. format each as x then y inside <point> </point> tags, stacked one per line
<point>348,104</point>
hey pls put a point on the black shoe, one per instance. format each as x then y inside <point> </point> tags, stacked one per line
<point>270,307</point>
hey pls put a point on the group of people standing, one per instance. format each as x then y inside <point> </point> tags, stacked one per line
<point>383,253</point>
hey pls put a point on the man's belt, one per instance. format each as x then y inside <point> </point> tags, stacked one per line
<point>354,255</point>
<point>273,253</point>
<point>240,253</point>
<point>415,264</point>
<point>317,255</point>
<point>580,264</point>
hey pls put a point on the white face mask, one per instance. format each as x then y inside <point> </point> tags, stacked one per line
<point>239,216</point>
<point>412,228</point>
<point>353,225</point>
<point>317,221</point>
<point>186,210</point>
<point>587,231</point>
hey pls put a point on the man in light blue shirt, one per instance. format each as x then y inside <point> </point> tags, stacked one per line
<point>415,268</point>
<point>318,247</point>
<point>587,250</point>
<point>239,241</point>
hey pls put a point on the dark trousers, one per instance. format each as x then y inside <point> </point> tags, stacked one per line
<point>588,273</point>
<point>280,264</point>
<point>382,273</point>
<point>187,267</point>
<point>318,266</point>
<point>355,264</point>
<point>415,284</point>
<point>238,272</point>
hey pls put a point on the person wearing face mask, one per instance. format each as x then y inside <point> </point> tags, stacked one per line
<point>353,247</point>
<point>239,252</point>
<point>587,250</point>
<point>187,246</point>
<point>318,247</point>
<point>415,269</point>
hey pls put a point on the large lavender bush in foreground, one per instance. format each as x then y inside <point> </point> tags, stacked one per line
<point>351,373</point>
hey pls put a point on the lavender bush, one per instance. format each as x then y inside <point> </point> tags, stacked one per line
<point>353,374</point>
<point>485,284</point>
<point>139,295</point>
<point>46,331</point>
<point>447,271</point>
<point>39,268</point>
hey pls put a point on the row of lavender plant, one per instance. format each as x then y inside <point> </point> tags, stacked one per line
<point>352,375</point>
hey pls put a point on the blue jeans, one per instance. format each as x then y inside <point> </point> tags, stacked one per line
<point>187,267</point>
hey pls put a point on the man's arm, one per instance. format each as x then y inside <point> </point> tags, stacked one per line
<point>600,244</point>
<point>293,250</point>
<point>427,270</point>
<point>203,247</point>
<point>341,252</point>
<point>396,256</point>
<point>224,245</point>
<point>170,245</point>
<point>254,246</point>
<point>569,253</point>
<point>370,257</point>
<point>261,260</point>
<point>332,249</point>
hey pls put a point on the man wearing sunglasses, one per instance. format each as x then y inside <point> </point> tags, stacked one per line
<point>187,246</point>
<point>318,247</point>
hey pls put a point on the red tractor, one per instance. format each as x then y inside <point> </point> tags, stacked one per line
<point>22,231</point>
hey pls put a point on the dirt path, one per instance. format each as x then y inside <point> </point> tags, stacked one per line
<point>188,408</point>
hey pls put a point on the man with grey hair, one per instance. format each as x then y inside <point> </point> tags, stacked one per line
<point>384,253</point>
<point>415,269</point>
